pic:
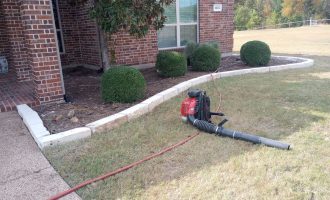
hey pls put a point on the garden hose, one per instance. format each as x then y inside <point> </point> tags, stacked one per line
<point>122,169</point>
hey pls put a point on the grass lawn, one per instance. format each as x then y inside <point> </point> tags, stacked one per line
<point>313,40</point>
<point>291,106</point>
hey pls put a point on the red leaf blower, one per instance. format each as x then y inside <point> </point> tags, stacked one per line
<point>196,110</point>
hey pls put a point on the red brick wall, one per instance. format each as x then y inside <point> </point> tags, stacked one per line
<point>71,37</point>
<point>4,50</point>
<point>32,41</point>
<point>217,26</point>
<point>89,38</point>
<point>130,50</point>
<point>213,26</point>
<point>42,51</point>
<point>81,40</point>
<point>16,41</point>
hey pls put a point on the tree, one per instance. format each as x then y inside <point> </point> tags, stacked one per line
<point>309,8</point>
<point>277,4</point>
<point>254,20</point>
<point>274,18</point>
<point>322,9</point>
<point>326,6</point>
<point>242,17</point>
<point>239,3</point>
<point>292,8</point>
<point>134,16</point>
<point>268,8</point>
<point>250,13</point>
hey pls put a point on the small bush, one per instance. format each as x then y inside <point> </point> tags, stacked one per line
<point>122,84</point>
<point>213,44</point>
<point>171,64</point>
<point>189,50</point>
<point>192,46</point>
<point>205,58</point>
<point>255,53</point>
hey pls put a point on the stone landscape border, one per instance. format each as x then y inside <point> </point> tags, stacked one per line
<point>43,138</point>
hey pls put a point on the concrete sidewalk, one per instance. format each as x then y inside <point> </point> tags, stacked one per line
<point>24,171</point>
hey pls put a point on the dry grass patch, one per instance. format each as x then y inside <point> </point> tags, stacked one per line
<point>324,75</point>
<point>313,40</point>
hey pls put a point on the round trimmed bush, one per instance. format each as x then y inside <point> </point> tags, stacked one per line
<point>214,44</point>
<point>255,53</point>
<point>189,49</point>
<point>205,58</point>
<point>122,84</point>
<point>171,64</point>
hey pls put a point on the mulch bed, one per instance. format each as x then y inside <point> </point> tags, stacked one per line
<point>83,91</point>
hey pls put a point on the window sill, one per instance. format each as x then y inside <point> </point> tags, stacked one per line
<point>171,48</point>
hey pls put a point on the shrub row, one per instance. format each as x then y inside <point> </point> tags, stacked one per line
<point>204,57</point>
<point>126,84</point>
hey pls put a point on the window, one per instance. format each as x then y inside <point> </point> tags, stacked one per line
<point>180,26</point>
<point>58,27</point>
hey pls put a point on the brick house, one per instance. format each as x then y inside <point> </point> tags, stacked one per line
<point>40,37</point>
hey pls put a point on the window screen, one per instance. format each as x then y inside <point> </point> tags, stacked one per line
<point>168,37</point>
<point>188,11</point>
<point>188,33</point>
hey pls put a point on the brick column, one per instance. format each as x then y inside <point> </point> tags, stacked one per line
<point>42,51</point>
<point>16,42</point>
<point>3,34</point>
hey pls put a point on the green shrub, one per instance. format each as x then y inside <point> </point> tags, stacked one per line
<point>171,64</point>
<point>189,50</point>
<point>255,53</point>
<point>122,84</point>
<point>213,44</point>
<point>205,58</point>
<point>192,46</point>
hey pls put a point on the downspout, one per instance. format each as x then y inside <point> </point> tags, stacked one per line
<point>100,46</point>
<point>103,45</point>
<point>58,53</point>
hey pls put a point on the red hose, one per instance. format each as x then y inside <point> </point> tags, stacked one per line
<point>104,176</point>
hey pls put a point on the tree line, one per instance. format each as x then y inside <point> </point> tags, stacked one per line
<point>250,14</point>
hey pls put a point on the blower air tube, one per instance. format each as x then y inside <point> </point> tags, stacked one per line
<point>220,131</point>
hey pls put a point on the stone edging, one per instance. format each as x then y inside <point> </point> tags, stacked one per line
<point>42,136</point>
<point>44,139</point>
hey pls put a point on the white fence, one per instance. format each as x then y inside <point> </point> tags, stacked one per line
<point>310,22</point>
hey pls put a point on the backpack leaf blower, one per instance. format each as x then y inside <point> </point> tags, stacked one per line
<point>196,110</point>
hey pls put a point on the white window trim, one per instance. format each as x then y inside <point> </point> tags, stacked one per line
<point>178,24</point>
<point>60,28</point>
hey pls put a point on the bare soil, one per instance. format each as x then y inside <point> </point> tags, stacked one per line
<point>85,104</point>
